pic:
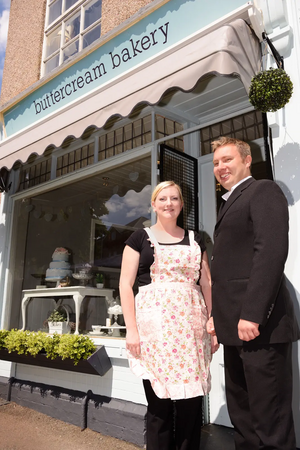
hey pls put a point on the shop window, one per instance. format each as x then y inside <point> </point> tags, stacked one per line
<point>71,26</point>
<point>75,160</point>
<point>246,127</point>
<point>114,142</point>
<point>131,135</point>
<point>137,133</point>
<point>91,218</point>
<point>34,174</point>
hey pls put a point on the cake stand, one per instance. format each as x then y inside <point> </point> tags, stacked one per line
<point>115,310</point>
<point>57,279</point>
<point>83,277</point>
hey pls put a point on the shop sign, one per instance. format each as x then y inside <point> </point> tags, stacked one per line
<point>165,27</point>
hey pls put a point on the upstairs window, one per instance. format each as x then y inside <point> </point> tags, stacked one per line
<point>71,26</point>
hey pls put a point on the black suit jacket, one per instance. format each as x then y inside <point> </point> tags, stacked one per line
<point>249,254</point>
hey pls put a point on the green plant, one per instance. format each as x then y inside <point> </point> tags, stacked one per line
<point>270,90</point>
<point>51,345</point>
<point>99,278</point>
<point>57,316</point>
<point>35,342</point>
<point>24,342</point>
<point>75,347</point>
<point>15,341</point>
<point>3,335</point>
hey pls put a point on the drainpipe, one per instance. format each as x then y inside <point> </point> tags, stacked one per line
<point>10,383</point>
<point>85,409</point>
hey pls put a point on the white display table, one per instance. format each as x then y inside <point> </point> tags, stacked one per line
<point>77,292</point>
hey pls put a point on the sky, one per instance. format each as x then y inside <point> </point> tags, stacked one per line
<point>4,15</point>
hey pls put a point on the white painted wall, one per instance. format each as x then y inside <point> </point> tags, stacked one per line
<point>281,19</point>
<point>119,382</point>
<point>6,369</point>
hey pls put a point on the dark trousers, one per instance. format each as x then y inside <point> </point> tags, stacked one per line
<point>172,425</point>
<point>259,396</point>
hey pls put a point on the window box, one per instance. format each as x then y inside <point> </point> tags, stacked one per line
<point>97,364</point>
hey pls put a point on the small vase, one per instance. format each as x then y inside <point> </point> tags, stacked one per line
<point>99,285</point>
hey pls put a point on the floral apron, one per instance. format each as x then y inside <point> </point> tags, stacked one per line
<point>171,317</point>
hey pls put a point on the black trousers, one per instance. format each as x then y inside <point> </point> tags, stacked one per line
<point>259,396</point>
<point>172,425</point>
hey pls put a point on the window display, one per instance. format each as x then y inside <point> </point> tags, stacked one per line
<point>75,228</point>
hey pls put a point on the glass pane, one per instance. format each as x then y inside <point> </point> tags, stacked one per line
<point>147,121</point>
<point>72,28</point>
<point>137,142</point>
<point>137,128</point>
<point>70,50</point>
<point>53,42</point>
<point>54,11</point>
<point>169,126</point>
<point>69,3</point>
<point>51,64</point>
<point>119,136</point>
<point>110,139</point>
<point>91,36</point>
<point>102,142</point>
<point>91,218</point>
<point>92,13</point>
<point>159,120</point>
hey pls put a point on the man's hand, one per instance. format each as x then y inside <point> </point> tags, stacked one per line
<point>210,327</point>
<point>214,344</point>
<point>248,330</point>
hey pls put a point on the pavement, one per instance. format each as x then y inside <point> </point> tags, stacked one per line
<point>26,429</point>
<point>216,437</point>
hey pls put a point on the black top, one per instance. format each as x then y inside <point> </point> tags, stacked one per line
<point>139,241</point>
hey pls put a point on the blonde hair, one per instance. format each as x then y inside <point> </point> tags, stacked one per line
<point>163,185</point>
<point>242,147</point>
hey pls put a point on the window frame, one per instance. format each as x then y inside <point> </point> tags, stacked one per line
<point>59,25</point>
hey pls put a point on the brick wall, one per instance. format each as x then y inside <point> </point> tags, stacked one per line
<point>114,12</point>
<point>24,47</point>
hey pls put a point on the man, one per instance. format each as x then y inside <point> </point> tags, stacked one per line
<point>253,315</point>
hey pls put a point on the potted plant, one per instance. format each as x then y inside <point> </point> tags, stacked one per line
<point>58,321</point>
<point>99,280</point>
<point>270,90</point>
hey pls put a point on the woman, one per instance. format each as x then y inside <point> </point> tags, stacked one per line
<point>167,342</point>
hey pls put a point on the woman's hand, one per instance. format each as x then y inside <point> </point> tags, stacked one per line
<point>129,268</point>
<point>133,342</point>
<point>214,344</point>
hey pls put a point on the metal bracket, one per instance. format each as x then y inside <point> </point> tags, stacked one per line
<point>277,56</point>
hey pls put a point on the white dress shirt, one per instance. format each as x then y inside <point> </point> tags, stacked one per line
<point>228,194</point>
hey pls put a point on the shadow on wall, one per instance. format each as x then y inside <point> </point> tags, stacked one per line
<point>296,380</point>
<point>2,244</point>
<point>287,171</point>
<point>287,175</point>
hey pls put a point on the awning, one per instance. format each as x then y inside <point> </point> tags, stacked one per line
<point>229,50</point>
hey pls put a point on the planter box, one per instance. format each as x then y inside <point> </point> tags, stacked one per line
<point>97,364</point>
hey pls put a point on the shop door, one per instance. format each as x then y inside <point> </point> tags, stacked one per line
<point>216,408</point>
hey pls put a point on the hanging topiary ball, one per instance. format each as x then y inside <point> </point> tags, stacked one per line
<point>270,90</point>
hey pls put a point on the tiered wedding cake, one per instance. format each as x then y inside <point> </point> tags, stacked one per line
<point>59,267</point>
